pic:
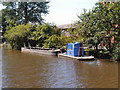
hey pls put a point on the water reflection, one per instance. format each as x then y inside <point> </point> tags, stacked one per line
<point>0,68</point>
<point>41,71</point>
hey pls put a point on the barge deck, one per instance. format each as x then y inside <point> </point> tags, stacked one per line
<point>78,58</point>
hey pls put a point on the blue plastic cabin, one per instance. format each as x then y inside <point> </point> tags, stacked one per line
<point>75,49</point>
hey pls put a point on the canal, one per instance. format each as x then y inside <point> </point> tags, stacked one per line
<point>24,70</point>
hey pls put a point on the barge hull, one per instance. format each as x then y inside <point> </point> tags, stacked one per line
<point>45,52</point>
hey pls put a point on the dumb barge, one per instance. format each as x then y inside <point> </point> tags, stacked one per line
<point>76,51</point>
<point>78,58</point>
<point>41,51</point>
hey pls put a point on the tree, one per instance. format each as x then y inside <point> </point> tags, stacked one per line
<point>101,24</point>
<point>32,11</point>
<point>8,21</point>
<point>110,17</point>
<point>0,18</point>
<point>27,11</point>
<point>89,29</point>
<point>44,32</point>
<point>17,13</point>
<point>52,42</point>
<point>18,35</point>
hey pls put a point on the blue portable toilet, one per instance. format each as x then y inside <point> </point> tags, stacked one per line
<point>81,50</point>
<point>75,49</point>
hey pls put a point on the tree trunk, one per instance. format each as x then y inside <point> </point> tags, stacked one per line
<point>25,11</point>
<point>96,46</point>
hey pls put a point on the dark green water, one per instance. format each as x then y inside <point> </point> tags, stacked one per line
<point>23,70</point>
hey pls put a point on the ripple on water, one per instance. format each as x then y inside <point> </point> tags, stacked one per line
<point>21,70</point>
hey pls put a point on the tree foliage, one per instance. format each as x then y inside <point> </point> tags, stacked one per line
<point>43,33</point>
<point>25,12</point>
<point>17,13</point>
<point>100,25</point>
<point>18,35</point>
<point>52,42</point>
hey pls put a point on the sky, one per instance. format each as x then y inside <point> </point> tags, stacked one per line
<point>66,11</point>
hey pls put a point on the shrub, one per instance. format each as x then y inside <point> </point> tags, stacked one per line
<point>116,54</point>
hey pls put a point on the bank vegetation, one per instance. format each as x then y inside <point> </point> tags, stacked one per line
<point>97,27</point>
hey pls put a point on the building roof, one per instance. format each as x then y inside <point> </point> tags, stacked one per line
<point>66,26</point>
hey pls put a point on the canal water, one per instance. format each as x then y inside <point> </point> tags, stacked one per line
<point>24,70</point>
